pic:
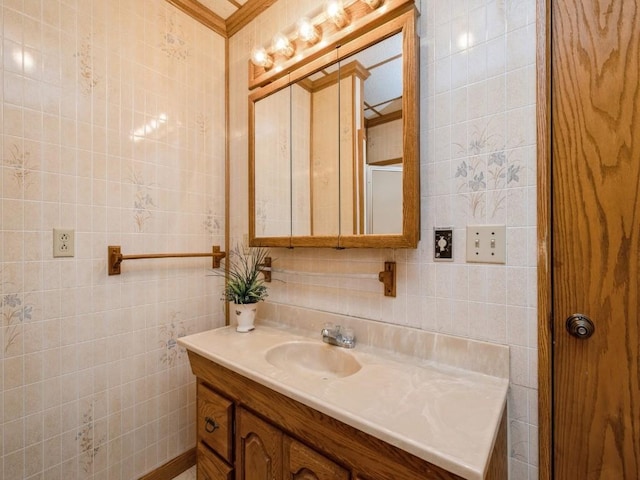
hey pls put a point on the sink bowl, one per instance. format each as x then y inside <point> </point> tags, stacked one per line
<point>319,359</point>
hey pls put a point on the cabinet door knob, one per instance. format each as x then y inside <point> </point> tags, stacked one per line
<point>210,425</point>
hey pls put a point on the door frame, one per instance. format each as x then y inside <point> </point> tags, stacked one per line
<point>544,240</point>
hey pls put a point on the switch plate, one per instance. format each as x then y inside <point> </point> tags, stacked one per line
<point>63,242</point>
<point>487,243</point>
<point>443,244</point>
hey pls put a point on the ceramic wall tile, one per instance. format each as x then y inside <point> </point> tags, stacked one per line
<point>107,111</point>
<point>478,167</point>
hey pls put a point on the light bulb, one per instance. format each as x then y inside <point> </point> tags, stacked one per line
<point>307,31</point>
<point>282,46</point>
<point>260,58</point>
<point>335,11</point>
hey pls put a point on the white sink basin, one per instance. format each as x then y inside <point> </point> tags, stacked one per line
<point>320,359</point>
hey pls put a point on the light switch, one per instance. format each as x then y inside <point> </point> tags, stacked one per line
<point>487,243</point>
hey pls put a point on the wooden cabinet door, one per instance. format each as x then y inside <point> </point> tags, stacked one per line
<point>259,448</point>
<point>303,463</point>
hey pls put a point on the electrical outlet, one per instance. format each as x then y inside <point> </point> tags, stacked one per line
<point>63,242</point>
<point>443,244</point>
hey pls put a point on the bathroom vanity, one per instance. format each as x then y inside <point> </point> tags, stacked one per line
<point>273,404</point>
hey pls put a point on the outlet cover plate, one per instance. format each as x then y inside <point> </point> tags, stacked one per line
<point>63,242</point>
<point>487,243</point>
<point>443,244</point>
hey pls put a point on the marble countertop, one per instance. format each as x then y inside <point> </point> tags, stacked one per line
<point>445,415</point>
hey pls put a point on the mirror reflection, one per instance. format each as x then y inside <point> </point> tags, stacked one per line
<point>272,159</point>
<point>374,139</point>
<point>328,149</point>
<point>333,156</point>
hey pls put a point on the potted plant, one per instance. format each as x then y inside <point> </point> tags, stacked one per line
<point>244,285</point>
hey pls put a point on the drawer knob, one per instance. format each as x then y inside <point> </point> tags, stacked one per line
<point>210,425</point>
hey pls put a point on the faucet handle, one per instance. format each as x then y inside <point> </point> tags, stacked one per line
<point>327,329</point>
<point>347,337</point>
<point>347,333</point>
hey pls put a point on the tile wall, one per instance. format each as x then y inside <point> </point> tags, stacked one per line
<point>112,125</point>
<point>477,87</point>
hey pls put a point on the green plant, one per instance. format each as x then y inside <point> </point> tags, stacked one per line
<point>244,284</point>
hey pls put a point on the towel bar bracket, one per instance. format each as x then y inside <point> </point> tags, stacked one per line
<point>388,278</point>
<point>266,269</point>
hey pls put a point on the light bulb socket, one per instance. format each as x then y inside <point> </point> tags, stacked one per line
<point>261,58</point>
<point>307,31</point>
<point>282,46</point>
<point>335,12</point>
<point>373,4</point>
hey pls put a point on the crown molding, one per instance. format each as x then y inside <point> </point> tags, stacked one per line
<point>245,14</point>
<point>202,14</point>
<point>229,27</point>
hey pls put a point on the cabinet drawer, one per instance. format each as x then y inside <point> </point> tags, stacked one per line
<point>215,422</point>
<point>210,467</point>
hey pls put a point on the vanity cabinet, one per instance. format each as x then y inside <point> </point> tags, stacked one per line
<point>263,450</point>
<point>277,437</point>
<point>266,452</point>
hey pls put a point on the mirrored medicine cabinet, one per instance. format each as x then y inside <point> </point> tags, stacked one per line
<point>333,147</point>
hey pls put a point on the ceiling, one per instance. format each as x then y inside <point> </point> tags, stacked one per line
<point>225,17</point>
<point>223,8</point>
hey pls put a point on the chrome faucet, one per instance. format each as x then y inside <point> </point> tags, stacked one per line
<point>336,335</point>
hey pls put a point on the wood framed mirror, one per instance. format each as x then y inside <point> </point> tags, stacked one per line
<point>333,146</point>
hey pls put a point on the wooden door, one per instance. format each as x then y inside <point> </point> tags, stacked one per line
<point>259,449</point>
<point>595,115</point>
<point>303,463</point>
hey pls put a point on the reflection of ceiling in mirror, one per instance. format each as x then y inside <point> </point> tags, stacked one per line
<point>383,89</point>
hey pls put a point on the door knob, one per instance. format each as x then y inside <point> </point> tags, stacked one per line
<point>580,326</point>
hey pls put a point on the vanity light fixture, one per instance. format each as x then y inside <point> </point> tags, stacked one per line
<point>307,31</point>
<point>373,4</point>
<point>260,58</point>
<point>335,12</point>
<point>282,46</point>
<point>330,21</point>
